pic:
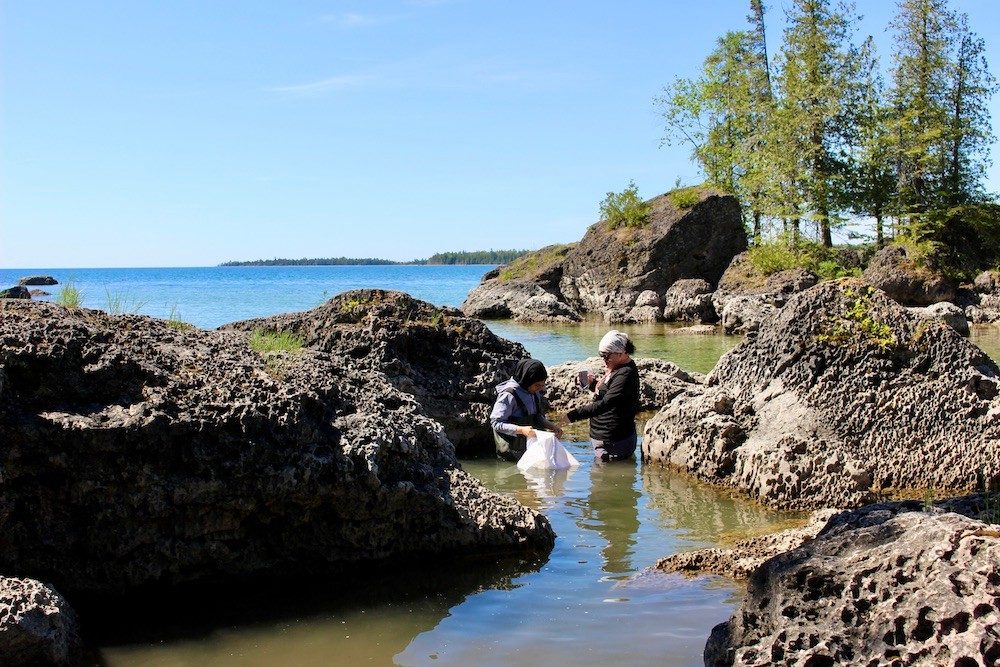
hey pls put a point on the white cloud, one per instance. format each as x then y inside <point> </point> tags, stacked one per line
<point>350,20</point>
<point>333,83</point>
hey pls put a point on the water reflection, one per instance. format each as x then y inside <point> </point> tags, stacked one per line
<point>612,511</point>
<point>547,484</point>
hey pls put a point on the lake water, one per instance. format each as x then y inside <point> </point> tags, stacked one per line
<point>593,601</point>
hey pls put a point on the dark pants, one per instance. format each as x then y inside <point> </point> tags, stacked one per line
<point>619,450</point>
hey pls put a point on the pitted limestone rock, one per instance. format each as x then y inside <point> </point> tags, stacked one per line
<point>888,584</point>
<point>840,397</point>
<point>37,625</point>
<point>136,452</point>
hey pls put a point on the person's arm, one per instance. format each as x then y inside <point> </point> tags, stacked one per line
<point>616,391</point>
<point>502,410</point>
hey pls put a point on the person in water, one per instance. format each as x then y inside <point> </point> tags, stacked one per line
<point>520,409</point>
<point>616,401</point>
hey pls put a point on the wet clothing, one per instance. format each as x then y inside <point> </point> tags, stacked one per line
<point>514,407</point>
<point>612,412</point>
<point>615,451</point>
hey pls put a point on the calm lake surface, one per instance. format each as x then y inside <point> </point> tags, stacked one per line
<point>592,602</point>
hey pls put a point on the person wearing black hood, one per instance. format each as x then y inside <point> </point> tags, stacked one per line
<point>520,409</point>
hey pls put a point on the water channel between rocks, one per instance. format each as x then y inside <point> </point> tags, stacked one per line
<point>592,602</point>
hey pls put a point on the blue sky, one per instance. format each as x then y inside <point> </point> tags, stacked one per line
<point>191,132</point>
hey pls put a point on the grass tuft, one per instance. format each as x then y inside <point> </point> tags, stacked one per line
<point>69,296</point>
<point>275,341</point>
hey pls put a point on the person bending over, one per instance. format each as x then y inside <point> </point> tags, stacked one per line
<point>520,409</point>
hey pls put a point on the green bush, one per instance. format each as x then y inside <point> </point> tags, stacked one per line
<point>685,198</point>
<point>774,256</point>
<point>275,341</point>
<point>780,254</point>
<point>624,209</point>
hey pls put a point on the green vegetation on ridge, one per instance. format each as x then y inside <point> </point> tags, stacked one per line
<point>458,257</point>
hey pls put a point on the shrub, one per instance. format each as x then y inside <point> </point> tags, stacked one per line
<point>275,341</point>
<point>684,198</point>
<point>774,256</point>
<point>624,209</point>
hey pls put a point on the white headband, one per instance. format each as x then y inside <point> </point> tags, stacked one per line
<point>613,341</point>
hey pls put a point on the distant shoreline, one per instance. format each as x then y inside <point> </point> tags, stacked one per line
<point>479,257</point>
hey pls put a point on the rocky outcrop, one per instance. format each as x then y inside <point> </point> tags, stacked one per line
<point>689,300</point>
<point>984,303</point>
<point>746,297</point>
<point>896,271</point>
<point>15,293</point>
<point>747,554</point>
<point>888,584</point>
<point>946,312</point>
<point>135,451</point>
<point>527,289</point>
<point>37,280</point>
<point>621,274</point>
<point>659,381</point>
<point>37,625</point>
<point>448,362</point>
<point>843,396</point>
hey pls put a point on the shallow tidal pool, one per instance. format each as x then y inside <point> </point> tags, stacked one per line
<point>594,601</point>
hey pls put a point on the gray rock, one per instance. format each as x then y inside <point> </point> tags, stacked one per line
<point>946,312</point>
<point>39,292</point>
<point>884,585</point>
<point>546,307</point>
<point>988,282</point>
<point>38,280</point>
<point>841,397</point>
<point>448,362</point>
<point>694,329</point>
<point>987,311</point>
<point>37,625</point>
<point>744,313</point>
<point>609,270</point>
<point>747,554</point>
<point>135,452</point>
<point>895,271</point>
<point>689,300</point>
<point>15,293</point>
<point>659,381</point>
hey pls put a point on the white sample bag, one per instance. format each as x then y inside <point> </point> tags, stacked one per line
<point>545,452</point>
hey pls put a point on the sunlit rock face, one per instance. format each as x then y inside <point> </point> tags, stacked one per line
<point>139,451</point>
<point>449,363</point>
<point>619,274</point>
<point>37,625</point>
<point>889,584</point>
<point>840,397</point>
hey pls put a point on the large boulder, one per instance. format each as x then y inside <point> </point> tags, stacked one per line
<point>448,362</point>
<point>841,397</point>
<point>18,292</point>
<point>689,300</point>
<point>609,268</point>
<point>948,313</point>
<point>137,451</point>
<point>527,289</point>
<point>659,381</point>
<point>889,584</point>
<point>897,271</point>
<point>746,296</point>
<point>691,234</point>
<point>984,302</point>
<point>37,625</point>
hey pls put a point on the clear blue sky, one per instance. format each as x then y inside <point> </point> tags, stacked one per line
<point>190,132</point>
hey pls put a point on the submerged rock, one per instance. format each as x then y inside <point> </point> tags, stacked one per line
<point>884,585</point>
<point>448,362</point>
<point>747,554</point>
<point>37,625</point>
<point>134,451</point>
<point>841,397</point>
<point>621,274</point>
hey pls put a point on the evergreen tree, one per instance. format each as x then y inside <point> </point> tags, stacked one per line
<point>819,70</point>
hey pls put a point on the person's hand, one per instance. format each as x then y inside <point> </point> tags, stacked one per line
<point>558,431</point>
<point>526,431</point>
